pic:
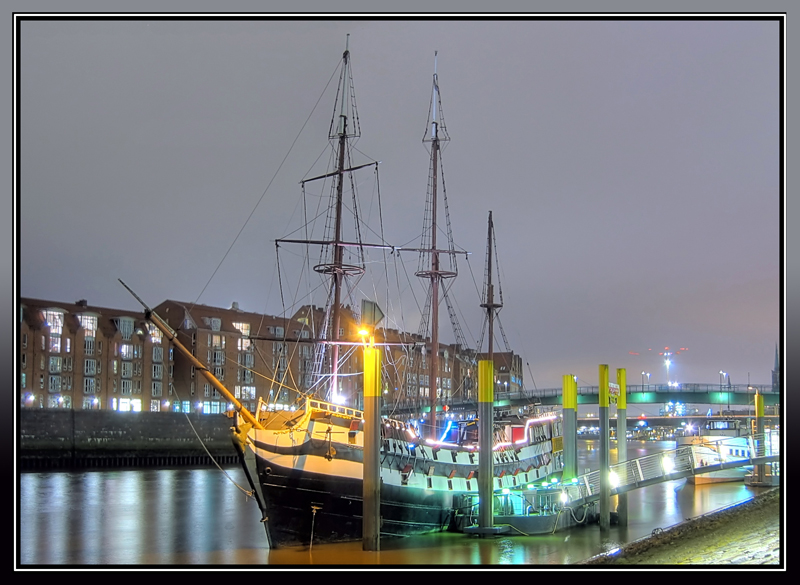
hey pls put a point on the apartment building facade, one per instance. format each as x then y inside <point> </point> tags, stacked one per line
<point>74,355</point>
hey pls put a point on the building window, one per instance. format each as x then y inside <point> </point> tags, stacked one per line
<point>89,324</point>
<point>24,359</point>
<point>88,345</point>
<point>158,354</point>
<point>155,333</point>
<point>125,326</point>
<point>155,406</point>
<point>125,387</point>
<point>279,331</point>
<point>126,351</point>
<point>55,365</point>
<point>23,379</point>
<point>55,384</point>
<point>89,367</point>
<point>158,371</point>
<point>127,369</point>
<point>170,354</point>
<point>88,385</point>
<point>206,390</point>
<point>67,344</point>
<point>55,343</point>
<point>216,324</point>
<point>156,389</point>
<point>24,341</point>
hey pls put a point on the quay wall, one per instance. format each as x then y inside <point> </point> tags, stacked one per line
<point>84,439</point>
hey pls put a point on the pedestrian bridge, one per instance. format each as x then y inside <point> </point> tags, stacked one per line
<point>729,452</point>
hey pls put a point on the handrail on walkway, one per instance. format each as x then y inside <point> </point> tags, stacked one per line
<point>725,453</point>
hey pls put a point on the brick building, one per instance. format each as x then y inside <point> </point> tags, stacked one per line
<point>73,355</point>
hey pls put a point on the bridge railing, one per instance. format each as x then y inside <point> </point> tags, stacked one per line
<point>470,400</point>
<point>677,462</point>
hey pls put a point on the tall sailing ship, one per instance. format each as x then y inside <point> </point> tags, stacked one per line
<point>306,466</point>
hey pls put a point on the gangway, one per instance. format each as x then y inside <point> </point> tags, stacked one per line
<point>671,465</point>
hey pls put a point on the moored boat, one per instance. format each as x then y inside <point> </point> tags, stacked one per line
<point>718,441</point>
<point>305,465</point>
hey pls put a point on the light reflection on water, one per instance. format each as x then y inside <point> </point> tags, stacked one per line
<point>200,517</point>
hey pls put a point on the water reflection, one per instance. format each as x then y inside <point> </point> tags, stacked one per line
<point>190,517</point>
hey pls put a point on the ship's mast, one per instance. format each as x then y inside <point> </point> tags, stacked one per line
<point>489,303</point>
<point>486,407</point>
<point>344,127</point>
<point>337,272</point>
<point>433,272</point>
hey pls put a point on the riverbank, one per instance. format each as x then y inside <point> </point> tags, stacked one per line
<point>745,534</point>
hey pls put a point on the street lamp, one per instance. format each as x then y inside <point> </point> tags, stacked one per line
<point>648,380</point>
<point>667,362</point>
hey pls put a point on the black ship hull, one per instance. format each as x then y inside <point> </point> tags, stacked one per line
<point>304,508</point>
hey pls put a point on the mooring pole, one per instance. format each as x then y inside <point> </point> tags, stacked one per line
<point>622,444</point>
<point>759,471</point>
<point>372,475</point>
<point>605,484</point>
<point>485,461</point>
<point>569,399</point>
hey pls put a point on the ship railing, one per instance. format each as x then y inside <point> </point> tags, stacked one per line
<point>313,404</point>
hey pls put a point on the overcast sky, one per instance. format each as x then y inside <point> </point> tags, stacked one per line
<point>632,169</point>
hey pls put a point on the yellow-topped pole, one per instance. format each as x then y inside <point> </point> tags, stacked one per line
<point>605,483</point>
<point>622,442</point>
<point>372,474</point>
<point>569,392</point>
<point>485,444</point>
<point>760,470</point>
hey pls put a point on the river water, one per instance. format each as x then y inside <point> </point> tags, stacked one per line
<point>188,517</point>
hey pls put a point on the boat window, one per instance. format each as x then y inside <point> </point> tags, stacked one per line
<point>350,412</point>
<point>340,409</point>
<point>315,404</point>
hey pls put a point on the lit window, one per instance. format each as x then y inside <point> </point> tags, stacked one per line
<point>125,326</point>
<point>155,333</point>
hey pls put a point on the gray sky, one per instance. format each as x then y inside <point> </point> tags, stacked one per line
<point>632,169</point>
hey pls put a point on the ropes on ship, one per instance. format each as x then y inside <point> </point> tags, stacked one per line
<point>248,493</point>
